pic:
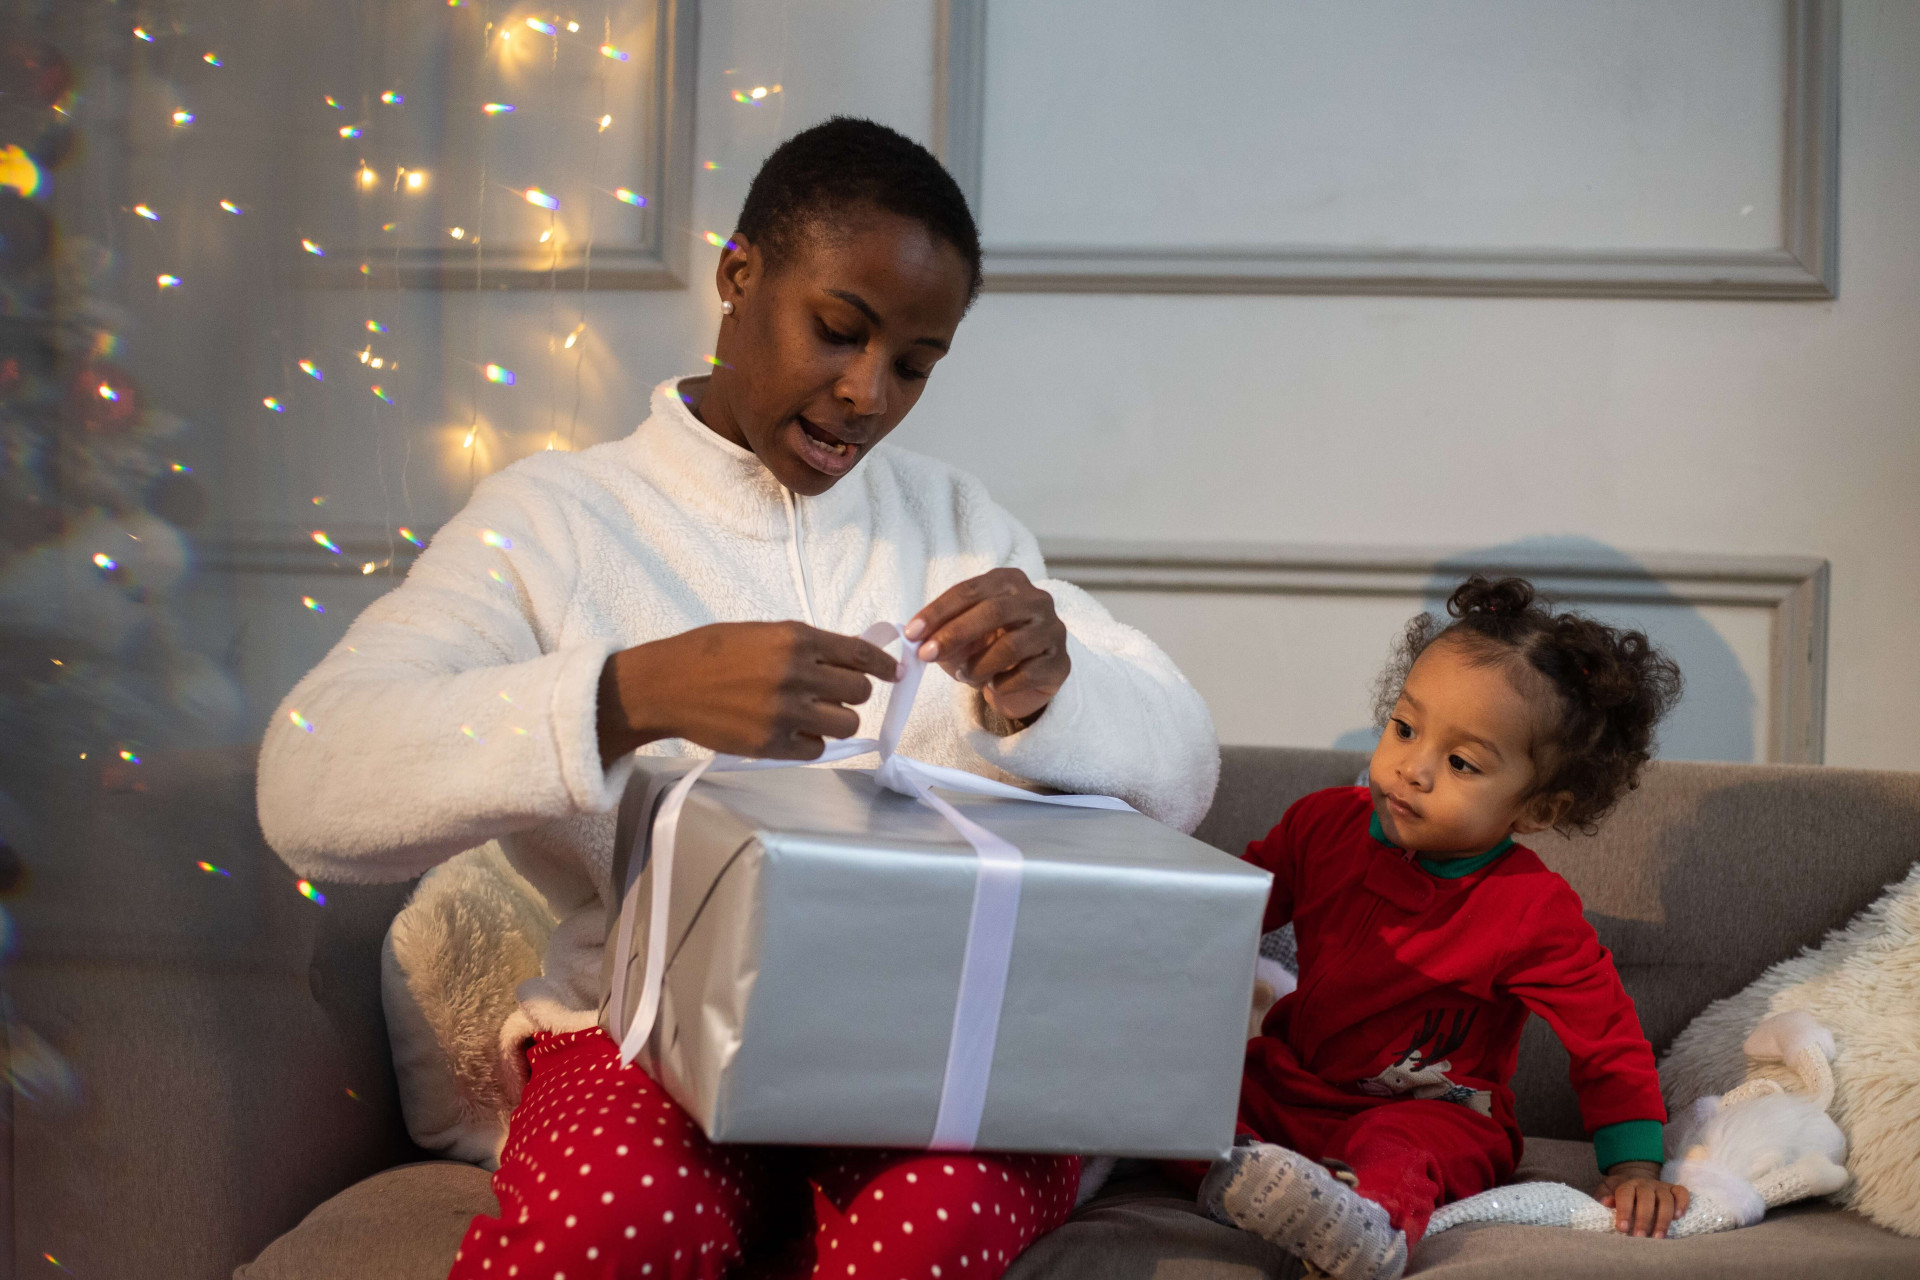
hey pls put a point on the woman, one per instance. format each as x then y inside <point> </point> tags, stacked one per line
<point>643,595</point>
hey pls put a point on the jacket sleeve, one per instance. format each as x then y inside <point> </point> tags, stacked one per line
<point>1125,723</point>
<point>1559,970</point>
<point>1278,852</point>
<point>446,715</point>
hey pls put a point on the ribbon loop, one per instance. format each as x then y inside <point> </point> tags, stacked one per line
<point>990,927</point>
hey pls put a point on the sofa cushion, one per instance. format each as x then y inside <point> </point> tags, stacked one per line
<point>402,1224</point>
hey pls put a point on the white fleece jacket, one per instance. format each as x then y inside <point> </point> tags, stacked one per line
<point>460,707</point>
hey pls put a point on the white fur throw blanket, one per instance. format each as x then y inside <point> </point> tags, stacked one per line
<point>1862,984</point>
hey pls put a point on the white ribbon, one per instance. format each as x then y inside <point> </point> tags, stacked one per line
<point>990,927</point>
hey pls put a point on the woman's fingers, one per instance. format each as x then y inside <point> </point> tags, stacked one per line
<point>959,640</point>
<point>962,596</point>
<point>854,654</point>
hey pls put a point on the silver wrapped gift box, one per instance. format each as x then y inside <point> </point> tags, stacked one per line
<point>817,929</point>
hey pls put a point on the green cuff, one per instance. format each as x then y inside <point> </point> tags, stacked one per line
<point>1629,1140</point>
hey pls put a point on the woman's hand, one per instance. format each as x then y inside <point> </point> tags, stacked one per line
<point>997,632</point>
<point>1642,1204</point>
<point>776,689</point>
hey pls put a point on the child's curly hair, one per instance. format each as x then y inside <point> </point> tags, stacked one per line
<point>1611,686</point>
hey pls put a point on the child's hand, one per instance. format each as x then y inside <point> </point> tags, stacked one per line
<point>1642,1204</point>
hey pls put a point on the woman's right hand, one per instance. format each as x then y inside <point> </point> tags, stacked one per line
<point>774,689</point>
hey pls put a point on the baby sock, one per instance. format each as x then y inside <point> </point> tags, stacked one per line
<point>1295,1203</point>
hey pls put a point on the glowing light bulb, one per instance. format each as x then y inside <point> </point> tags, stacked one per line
<point>546,235</point>
<point>167,281</point>
<point>458,233</point>
<point>313,248</point>
<point>367,178</point>
<point>231,207</point>
<point>604,122</point>
<point>320,537</point>
<point>573,26</point>
<point>496,374</point>
<point>608,51</point>
<point>416,180</point>
<point>759,92</point>
<point>468,442</point>
<point>574,336</point>
<point>300,721</point>
<point>633,198</point>
<point>183,118</point>
<point>497,108</point>
<point>536,196</point>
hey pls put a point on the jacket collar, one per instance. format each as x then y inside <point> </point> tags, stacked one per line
<point>1444,868</point>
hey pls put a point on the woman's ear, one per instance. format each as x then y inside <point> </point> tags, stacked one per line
<point>1543,811</point>
<point>738,272</point>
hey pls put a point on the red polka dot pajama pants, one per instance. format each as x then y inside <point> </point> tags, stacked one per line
<point>605,1176</point>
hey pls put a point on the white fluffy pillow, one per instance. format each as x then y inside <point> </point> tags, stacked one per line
<point>1863,984</point>
<point>472,932</point>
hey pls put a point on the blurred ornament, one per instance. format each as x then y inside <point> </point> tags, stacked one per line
<point>33,70</point>
<point>18,170</point>
<point>104,400</point>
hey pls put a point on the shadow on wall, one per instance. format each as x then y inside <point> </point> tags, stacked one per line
<point>1714,720</point>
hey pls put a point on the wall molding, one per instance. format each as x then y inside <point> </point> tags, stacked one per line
<point>1804,266</point>
<point>660,262</point>
<point>1792,590</point>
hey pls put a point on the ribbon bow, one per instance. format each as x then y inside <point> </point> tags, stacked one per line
<point>990,928</point>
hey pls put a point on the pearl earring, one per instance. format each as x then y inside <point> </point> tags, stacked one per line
<point>726,308</point>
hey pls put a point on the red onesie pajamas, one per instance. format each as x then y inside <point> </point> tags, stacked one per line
<point>1416,976</point>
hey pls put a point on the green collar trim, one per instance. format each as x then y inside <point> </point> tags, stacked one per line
<point>1444,868</point>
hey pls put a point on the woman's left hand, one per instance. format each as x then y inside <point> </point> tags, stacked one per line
<point>997,632</point>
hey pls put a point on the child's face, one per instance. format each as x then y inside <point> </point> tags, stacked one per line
<point>1453,772</point>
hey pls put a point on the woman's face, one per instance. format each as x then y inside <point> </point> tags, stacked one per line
<point>825,354</point>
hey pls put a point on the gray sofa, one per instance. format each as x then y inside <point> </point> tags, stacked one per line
<point>235,1087</point>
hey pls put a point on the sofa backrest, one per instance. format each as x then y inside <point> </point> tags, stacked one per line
<point>1699,881</point>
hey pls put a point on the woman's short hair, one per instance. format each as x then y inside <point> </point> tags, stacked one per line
<point>818,173</point>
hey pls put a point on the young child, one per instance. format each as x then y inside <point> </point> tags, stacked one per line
<point>1426,936</point>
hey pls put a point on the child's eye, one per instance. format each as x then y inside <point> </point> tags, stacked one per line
<point>1462,764</point>
<point>1402,729</point>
